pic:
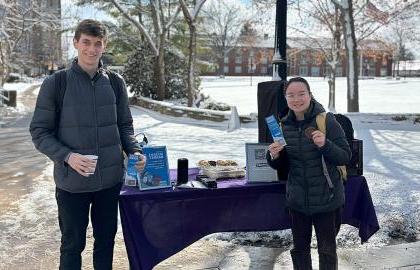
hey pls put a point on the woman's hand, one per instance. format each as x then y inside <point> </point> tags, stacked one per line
<point>319,138</point>
<point>275,149</point>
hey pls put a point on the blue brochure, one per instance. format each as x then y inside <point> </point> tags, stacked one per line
<point>275,129</point>
<point>131,174</point>
<point>156,171</point>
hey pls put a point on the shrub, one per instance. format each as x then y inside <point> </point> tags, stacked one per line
<point>139,74</point>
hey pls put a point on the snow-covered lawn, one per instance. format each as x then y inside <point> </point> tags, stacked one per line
<point>391,163</point>
<point>391,148</point>
<point>379,95</point>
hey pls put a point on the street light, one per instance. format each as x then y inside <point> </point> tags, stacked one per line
<point>279,58</point>
<point>270,96</point>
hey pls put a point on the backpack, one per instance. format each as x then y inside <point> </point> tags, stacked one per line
<point>60,84</point>
<point>348,130</point>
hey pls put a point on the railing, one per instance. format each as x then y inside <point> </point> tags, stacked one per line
<point>3,97</point>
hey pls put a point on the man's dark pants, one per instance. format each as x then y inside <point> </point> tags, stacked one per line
<point>326,227</point>
<point>73,218</point>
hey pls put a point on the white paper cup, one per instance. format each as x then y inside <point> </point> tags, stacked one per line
<point>94,158</point>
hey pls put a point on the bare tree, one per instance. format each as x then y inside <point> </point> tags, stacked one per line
<point>370,17</point>
<point>17,20</point>
<point>346,9</point>
<point>372,20</point>
<point>157,42</point>
<point>249,38</point>
<point>400,33</point>
<point>152,19</point>
<point>223,20</point>
<point>191,16</point>
<point>325,19</point>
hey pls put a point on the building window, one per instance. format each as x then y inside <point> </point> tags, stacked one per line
<point>263,70</point>
<point>315,71</point>
<point>384,72</point>
<point>226,60</point>
<point>339,72</point>
<point>371,69</point>
<point>238,59</point>
<point>303,71</point>
<point>303,59</point>
<point>238,69</point>
<point>226,69</point>
<point>264,60</point>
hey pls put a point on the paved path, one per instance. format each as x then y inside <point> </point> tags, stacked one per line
<point>215,254</point>
<point>20,162</point>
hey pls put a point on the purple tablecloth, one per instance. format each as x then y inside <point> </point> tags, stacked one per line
<point>159,223</point>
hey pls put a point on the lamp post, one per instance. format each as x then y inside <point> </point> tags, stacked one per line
<point>279,58</point>
<point>270,98</point>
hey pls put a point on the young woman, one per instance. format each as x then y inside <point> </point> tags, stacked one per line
<point>311,200</point>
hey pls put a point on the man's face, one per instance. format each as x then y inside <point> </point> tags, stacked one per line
<point>89,49</point>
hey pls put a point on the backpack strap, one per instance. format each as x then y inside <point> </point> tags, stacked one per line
<point>60,85</point>
<point>115,80</point>
<point>321,120</point>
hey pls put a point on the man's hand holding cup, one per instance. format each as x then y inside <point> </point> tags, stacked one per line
<point>83,164</point>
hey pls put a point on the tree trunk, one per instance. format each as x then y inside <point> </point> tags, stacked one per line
<point>3,67</point>
<point>160,74</point>
<point>336,47</point>
<point>191,65</point>
<point>331,86</point>
<point>351,53</point>
<point>221,70</point>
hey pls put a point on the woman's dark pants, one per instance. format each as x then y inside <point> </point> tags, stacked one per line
<point>326,227</point>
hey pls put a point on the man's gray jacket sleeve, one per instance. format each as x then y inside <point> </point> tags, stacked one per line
<point>43,125</point>
<point>125,123</point>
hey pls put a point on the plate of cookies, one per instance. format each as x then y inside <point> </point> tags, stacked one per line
<point>221,169</point>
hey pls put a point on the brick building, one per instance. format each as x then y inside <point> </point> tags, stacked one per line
<point>304,58</point>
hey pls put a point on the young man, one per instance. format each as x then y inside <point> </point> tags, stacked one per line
<point>85,136</point>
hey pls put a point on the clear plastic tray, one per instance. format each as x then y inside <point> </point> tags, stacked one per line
<point>223,172</point>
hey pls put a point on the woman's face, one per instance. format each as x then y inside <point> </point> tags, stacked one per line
<point>298,97</point>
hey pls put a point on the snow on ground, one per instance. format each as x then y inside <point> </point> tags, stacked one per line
<point>19,87</point>
<point>391,166</point>
<point>20,109</point>
<point>376,95</point>
<point>391,148</point>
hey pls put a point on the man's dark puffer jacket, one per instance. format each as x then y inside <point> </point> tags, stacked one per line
<point>307,188</point>
<point>90,123</point>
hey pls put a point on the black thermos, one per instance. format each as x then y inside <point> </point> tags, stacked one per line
<point>182,172</point>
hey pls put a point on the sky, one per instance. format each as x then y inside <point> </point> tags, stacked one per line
<point>74,13</point>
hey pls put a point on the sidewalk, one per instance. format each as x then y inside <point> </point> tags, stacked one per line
<point>401,257</point>
<point>211,254</point>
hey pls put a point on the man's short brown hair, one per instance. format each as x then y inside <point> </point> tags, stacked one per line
<point>91,28</point>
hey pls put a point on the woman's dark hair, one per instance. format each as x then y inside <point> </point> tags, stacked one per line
<point>297,79</point>
<point>91,28</point>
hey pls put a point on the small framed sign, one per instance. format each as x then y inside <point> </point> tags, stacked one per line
<point>257,168</point>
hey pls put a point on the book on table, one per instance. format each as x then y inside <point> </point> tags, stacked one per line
<point>156,171</point>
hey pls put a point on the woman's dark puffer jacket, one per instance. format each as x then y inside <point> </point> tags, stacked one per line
<point>307,187</point>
